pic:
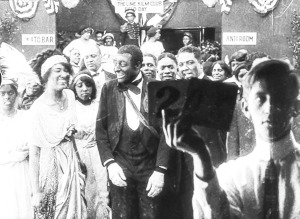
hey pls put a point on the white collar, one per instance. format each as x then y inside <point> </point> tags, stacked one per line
<point>278,149</point>
<point>138,77</point>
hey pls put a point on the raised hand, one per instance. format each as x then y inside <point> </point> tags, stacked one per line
<point>182,136</point>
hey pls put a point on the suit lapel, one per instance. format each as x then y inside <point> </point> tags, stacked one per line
<point>120,104</point>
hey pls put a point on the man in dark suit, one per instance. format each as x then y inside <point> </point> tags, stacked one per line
<point>189,63</point>
<point>180,174</point>
<point>134,154</point>
<point>92,62</point>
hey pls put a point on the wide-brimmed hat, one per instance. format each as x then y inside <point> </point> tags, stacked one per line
<point>85,29</point>
<point>129,11</point>
<point>108,35</point>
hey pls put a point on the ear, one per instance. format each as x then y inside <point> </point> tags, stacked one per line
<point>138,65</point>
<point>295,109</point>
<point>245,108</point>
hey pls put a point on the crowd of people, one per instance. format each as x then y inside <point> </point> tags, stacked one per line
<point>77,143</point>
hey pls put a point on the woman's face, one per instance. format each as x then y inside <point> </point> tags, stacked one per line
<point>218,73</point>
<point>86,35</point>
<point>186,40</point>
<point>108,41</point>
<point>83,90</point>
<point>166,69</point>
<point>59,77</point>
<point>7,96</point>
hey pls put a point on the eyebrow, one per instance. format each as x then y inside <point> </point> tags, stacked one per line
<point>163,66</point>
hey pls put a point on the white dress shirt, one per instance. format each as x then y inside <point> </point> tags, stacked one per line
<point>242,182</point>
<point>132,118</point>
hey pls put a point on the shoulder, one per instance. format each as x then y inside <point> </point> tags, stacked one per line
<point>69,93</point>
<point>242,168</point>
<point>110,76</point>
<point>110,84</point>
<point>92,41</point>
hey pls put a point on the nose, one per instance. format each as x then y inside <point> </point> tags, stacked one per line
<point>166,70</point>
<point>84,87</point>
<point>183,67</point>
<point>268,106</point>
<point>65,74</point>
<point>6,96</point>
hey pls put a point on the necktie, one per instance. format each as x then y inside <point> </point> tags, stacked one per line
<point>271,191</point>
<point>132,86</point>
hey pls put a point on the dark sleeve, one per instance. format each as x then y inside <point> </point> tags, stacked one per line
<point>163,152</point>
<point>102,138</point>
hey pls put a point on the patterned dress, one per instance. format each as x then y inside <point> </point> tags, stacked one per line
<point>60,178</point>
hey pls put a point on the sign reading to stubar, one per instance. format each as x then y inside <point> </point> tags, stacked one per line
<point>140,6</point>
<point>239,38</point>
<point>38,39</point>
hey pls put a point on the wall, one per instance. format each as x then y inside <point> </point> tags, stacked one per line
<point>42,23</point>
<point>272,30</point>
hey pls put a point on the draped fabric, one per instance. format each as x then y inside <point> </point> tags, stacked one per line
<point>169,8</point>
<point>15,187</point>
<point>96,190</point>
<point>60,178</point>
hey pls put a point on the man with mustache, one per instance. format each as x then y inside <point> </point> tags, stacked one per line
<point>133,152</point>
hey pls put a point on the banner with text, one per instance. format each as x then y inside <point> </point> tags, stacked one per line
<point>140,6</point>
<point>239,38</point>
<point>38,39</point>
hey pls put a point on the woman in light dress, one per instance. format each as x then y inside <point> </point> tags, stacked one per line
<point>96,190</point>
<point>56,177</point>
<point>14,184</point>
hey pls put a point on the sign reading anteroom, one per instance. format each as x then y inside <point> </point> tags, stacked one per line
<point>140,6</point>
<point>239,38</point>
<point>38,39</point>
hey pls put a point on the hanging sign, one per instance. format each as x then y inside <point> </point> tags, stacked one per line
<point>38,39</point>
<point>239,38</point>
<point>140,6</point>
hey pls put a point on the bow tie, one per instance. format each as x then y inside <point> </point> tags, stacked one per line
<point>133,86</point>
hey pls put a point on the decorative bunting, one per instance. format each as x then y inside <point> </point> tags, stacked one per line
<point>210,3</point>
<point>22,9</point>
<point>225,6</point>
<point>51,6</point>
<point>70,3</point>
<point>263,7</point>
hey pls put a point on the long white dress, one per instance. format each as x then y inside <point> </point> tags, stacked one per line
<point>60,178</point>
<point>96,183</point>
<point>15,190</point>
